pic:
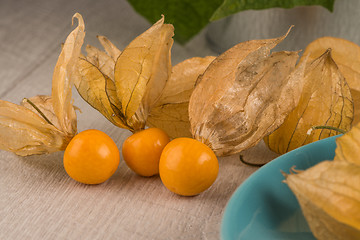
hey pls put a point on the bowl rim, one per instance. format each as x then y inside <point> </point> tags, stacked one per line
<point>233,201</point>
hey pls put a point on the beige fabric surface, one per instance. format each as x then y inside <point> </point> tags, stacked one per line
<point>37,198</point>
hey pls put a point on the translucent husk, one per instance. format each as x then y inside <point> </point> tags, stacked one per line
<point>170,112</point>
<point>243,95</point>
<point>124,86</point>
<point>346,56</point>
<point>348,146</point>
<point>325,101</point>
<point>45,124</point>
<point>138,86</point>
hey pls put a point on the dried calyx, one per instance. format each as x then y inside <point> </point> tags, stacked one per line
<point>124,85</point>
<point>139,86</point>
<point>245,94</point>
<point>45,124</point>
<point>325,101</point>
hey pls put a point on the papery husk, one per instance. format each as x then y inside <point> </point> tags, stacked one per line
<point>244,94</point>
<point>329,196</point>
<point>109,47</point>
<point>65,72</point>
<point>101,60</point>
<point>141,71</point>
<point>45,124</point>
<point>92,87</point>
<point>24,132</point>
<point>170,112</point>
<point>42,105</point>
<point>104,61</point>
<point>348,146</point>
<point>124,86</point>
<point>356,100</point>
<point>346,55</point>
<point>325,101</point>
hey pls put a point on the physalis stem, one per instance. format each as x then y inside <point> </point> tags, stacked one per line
<point>326,127</point>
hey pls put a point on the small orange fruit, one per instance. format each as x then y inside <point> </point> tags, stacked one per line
<point>142,150</point>
<point>91,157</point>
<point>188,167</point>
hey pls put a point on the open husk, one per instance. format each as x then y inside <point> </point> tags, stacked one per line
<point>125,85</point>
<point>45,124</point>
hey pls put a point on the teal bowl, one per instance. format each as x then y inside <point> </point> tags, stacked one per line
<point>263,207</point>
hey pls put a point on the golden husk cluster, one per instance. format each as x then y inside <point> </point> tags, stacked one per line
<point>229,102</point>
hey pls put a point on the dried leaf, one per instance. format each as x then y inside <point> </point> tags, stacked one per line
<point>243,95</point>
<point>329,196</point>
<point>142,70</point>
<point>325,101</point>
<point>63,77</point>
<point>171,111</point>
<point>346,56</point>
<point>45,124</point>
